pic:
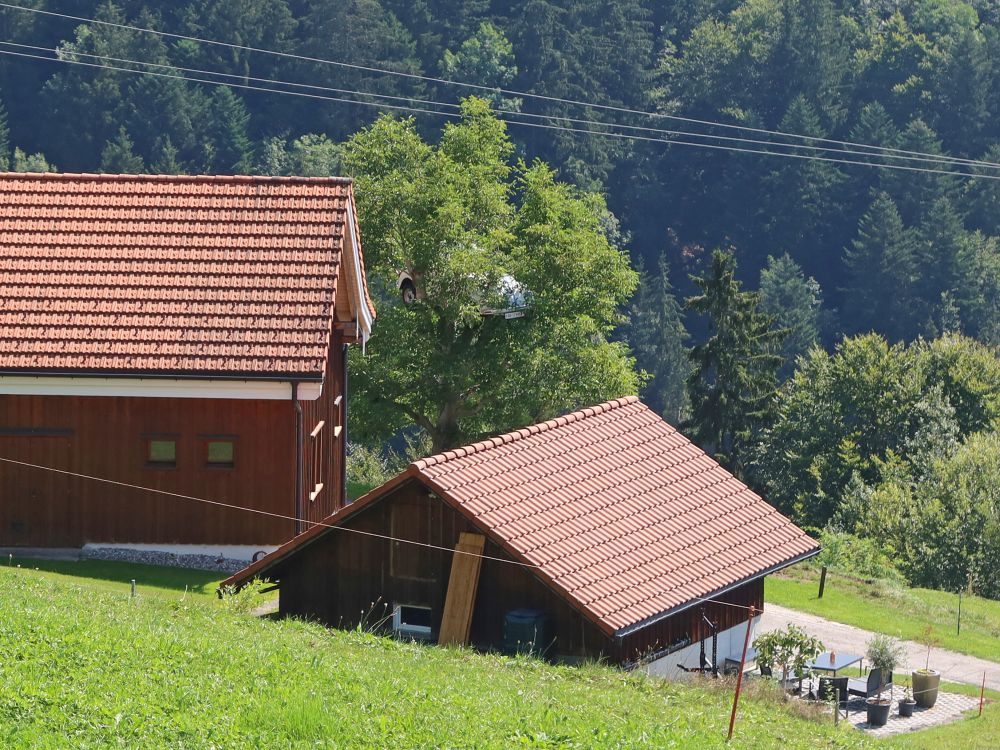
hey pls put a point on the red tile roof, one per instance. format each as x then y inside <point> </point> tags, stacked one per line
<point>170,274</point>
<point>618,511</point>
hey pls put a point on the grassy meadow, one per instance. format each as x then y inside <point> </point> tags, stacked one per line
<point>885,607</point>
<point>83,666</point>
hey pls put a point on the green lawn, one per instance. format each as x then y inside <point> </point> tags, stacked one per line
<point>83,666</point>
<point>116,577</point>
<point>886,608</point>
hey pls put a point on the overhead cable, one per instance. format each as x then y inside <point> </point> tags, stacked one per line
<point>480,87</point>
<point>507,119</point>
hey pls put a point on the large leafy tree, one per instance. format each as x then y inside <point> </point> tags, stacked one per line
<point>476,233</point>
<point>735,376</point>
<point>851,416</point>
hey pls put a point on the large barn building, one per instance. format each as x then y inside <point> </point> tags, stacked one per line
<point>186,334</point>
<point>605,533</point>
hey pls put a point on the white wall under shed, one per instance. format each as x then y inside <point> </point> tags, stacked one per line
<point>730,645</point>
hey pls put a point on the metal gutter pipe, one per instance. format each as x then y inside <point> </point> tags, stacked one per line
<point>298,457</point>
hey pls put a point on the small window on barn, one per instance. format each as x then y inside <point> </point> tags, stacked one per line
<point>411,621</point>
<point>220,454</point>
<point>161,452</point>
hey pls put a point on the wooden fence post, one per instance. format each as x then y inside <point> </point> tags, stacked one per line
<point>822,581</point>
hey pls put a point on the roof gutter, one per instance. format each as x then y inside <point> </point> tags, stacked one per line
<point>298,457</point>
<point>630,629</point>
<point>138,374</point>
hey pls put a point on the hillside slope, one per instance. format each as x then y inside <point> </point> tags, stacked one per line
<point>85,668</point>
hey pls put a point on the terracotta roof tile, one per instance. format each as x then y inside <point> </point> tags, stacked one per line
<point>621,511</point>
<point>164,274</point>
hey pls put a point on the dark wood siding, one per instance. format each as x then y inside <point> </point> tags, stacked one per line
<point>690,624</point>
<point>107,437</point>
<point>346,579</point>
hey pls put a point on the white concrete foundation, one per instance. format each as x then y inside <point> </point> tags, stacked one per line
<point>730,645</point>
<point>242,552</point>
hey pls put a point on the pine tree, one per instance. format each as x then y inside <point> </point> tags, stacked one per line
<point>734,381</point>
<point>4,140</point>
<point>813,187</point>
<point>941,236</point>
<point>796,304</point>
<point>656,335</point>
<point>166,159</point>
<point>119,158</point>
<point>227,133</point>
<point>881,274</point>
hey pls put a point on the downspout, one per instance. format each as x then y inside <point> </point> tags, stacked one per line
<point>298,457</point>
<point>343,428</point>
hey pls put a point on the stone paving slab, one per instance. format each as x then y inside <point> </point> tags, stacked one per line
<point>948,708</point>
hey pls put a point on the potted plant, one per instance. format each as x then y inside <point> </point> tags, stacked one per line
<point>884,653</point>
<point>791,649</point>
<point>926,681</point>
<point>906,704</point>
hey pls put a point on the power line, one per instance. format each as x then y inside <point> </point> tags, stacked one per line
<point>282,516</point>
<point>268,513</point>
<point>939,159</point>
<point>603,134</point>
<point>494,90</point>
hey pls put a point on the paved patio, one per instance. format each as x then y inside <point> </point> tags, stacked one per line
<point>948,708</point>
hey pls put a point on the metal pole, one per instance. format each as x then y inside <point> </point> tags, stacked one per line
<point>959,632</point>
<point>982,694</point>
<point>133,588</point>
<point>739,675</point>
<point>822,581</point>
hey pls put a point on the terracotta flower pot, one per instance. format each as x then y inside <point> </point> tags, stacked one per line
<point>925,686</point>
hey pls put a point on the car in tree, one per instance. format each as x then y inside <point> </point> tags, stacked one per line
<point>511,299</point>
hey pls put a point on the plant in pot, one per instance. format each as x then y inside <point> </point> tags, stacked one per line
<point>926,681</point>
<point>791,649</point>
<point>906,704</point>
<point>884,653</point>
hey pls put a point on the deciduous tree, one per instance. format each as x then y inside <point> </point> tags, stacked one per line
<point>478,234</point>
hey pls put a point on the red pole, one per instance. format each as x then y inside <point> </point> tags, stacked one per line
<point>739,675</point>
<point>982,694</point>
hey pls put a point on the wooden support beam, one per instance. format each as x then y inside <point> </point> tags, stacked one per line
<point>462,586</point>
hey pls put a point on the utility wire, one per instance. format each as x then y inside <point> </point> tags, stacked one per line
<point>508,120</point>
<point>491,89</point>
<point>938,159</point>
<point>270,514</point>
<point>282,516</point>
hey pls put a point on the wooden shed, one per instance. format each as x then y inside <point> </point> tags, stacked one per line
<point>186,334</point>
<point>607,525</point>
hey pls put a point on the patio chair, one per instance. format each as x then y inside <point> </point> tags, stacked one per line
<point>868,688</point>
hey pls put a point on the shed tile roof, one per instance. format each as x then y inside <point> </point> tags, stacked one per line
<point>170,274</point>
<point>617,509</point>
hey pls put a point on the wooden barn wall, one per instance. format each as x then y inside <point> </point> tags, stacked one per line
<point>106,437</point>
<point>331,470</point>
<point>345,579</point>
<point>689,623</point>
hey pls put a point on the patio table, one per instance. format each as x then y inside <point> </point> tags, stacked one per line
<point>830,662</point>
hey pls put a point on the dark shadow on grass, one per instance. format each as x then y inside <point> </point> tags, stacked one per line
<point>200,582</point>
